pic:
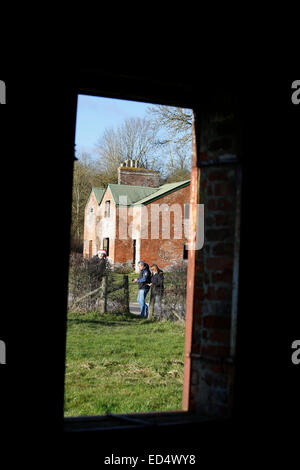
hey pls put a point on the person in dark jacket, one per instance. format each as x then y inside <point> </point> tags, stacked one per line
<point>97,268</point>
<point>157,290</point>
<point>143,282</point>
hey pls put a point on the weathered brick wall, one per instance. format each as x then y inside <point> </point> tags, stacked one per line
<point>162,251</point>
<point>123,242</point>
<point>89,232</point>
<point>165,251</point>
<point>123,251</point>
<point>138,177</point>
<point>106,226</point>
<point>211,359</point>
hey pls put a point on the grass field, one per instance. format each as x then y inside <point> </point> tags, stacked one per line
<point>122,364</point>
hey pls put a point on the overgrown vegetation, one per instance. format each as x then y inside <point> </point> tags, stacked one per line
<point>86,290</point>
<point>122,364</point>
<point>84,278</point>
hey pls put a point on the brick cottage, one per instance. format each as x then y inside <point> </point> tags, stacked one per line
<point>138,219</point>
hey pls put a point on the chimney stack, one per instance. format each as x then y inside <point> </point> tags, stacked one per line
<point>131,174</point>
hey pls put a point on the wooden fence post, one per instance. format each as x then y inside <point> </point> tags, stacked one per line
<point>151,306</point>
<point>126,292</point>
<point>103,295</point>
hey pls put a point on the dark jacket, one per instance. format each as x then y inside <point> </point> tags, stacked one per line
<point>144,278</point>
<point>157,280</point>
<point>97,267</point>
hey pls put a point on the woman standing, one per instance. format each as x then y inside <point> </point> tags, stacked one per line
<point>157,290</point>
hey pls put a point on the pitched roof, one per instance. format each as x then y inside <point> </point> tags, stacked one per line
<point>162,191</point>
<point>131,194</point>
<point>99,192</point>
<point>137,195</point>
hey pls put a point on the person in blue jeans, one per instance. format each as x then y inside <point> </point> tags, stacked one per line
<point>143,282</point>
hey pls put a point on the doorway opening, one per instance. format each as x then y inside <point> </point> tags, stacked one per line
<point>137,185</point>
<point>106,245</point>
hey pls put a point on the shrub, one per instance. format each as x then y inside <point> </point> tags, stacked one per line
<point>84,277</point>
<point>122,268</point>
<point>174,298</point>
<point>177,267</point>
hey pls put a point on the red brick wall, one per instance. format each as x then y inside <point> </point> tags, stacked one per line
<point>89,232</point>
<point>138,177</point>
<point>212,363</point>
<point>123,251</point>
<point>164,251</point>
<point>106,225</point>
<point>161,251</point>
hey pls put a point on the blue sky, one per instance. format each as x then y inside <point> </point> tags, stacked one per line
<point>95,114</point>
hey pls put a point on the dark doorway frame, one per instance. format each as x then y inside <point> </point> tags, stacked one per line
<point>142,88</point>
<point>106,245</point>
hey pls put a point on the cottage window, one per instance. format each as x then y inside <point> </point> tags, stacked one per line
<point>107,209</point>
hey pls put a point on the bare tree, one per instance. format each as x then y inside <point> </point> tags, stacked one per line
<point>178,165</point>
<point>85,176</point>
<point>135,139</point>
<point>174,128</point>
<point>176,121</point>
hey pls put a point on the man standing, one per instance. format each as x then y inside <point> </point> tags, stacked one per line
<point>143,281</point>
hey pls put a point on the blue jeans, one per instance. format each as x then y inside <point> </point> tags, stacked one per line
<point>142,301</point>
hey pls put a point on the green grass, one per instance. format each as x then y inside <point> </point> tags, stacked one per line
<point>122,364</point>
<point>133,288</point>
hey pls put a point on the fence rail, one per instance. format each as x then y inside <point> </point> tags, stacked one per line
<point>110,296</point>
<point>95,290</point>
